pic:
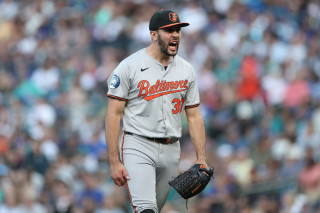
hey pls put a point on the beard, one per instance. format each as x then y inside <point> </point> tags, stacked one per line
<point>164,47</point>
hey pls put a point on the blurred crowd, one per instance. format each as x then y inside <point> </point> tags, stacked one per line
<point>258,69</point>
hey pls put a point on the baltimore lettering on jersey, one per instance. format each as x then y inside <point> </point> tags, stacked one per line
<point>161,88</point>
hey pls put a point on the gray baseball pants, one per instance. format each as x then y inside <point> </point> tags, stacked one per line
<point>150,166</point>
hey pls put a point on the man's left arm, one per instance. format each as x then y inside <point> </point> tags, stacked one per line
<point>197,133</point>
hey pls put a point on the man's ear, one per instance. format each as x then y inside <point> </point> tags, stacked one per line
<point>154,35</point>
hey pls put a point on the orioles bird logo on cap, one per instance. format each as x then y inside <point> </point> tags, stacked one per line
<point>173,17</point>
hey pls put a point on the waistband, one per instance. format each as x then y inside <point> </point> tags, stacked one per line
<point>157,140</point>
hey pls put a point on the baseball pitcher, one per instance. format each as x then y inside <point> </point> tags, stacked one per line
<point>150,90</point>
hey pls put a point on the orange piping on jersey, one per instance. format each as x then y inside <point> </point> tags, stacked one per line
<point>115,97</point>
<point>189,107</point>
<point>134,208</point>
<point>148,98</point>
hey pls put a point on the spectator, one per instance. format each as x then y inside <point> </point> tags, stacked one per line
<point>309,179</point>
<point>241,167</point>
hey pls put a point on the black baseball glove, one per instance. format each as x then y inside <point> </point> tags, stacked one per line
<point>192,181</point>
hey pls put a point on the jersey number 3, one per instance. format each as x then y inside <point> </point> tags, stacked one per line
<point>178,105</point>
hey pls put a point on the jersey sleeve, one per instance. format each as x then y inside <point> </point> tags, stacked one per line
<point>118,83</point>
<point>192,96</point>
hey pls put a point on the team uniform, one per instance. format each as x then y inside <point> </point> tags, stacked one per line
<point>156,98</point>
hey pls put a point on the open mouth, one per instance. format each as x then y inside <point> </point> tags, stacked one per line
<point>173,45</point>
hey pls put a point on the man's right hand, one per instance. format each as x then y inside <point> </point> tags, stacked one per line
<point>118,173</point>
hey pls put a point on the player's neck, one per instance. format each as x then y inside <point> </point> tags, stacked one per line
<point>156,53</point>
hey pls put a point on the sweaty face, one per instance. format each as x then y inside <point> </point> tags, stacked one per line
<point>169,40</point>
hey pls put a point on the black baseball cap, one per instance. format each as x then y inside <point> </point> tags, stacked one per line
<point>165,18</point>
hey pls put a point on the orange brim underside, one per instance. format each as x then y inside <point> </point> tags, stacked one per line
<point>170,25</point>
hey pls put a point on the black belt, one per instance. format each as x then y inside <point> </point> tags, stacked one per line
<point>158,140</point>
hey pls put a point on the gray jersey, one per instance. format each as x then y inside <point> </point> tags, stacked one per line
<point>156,97</point>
